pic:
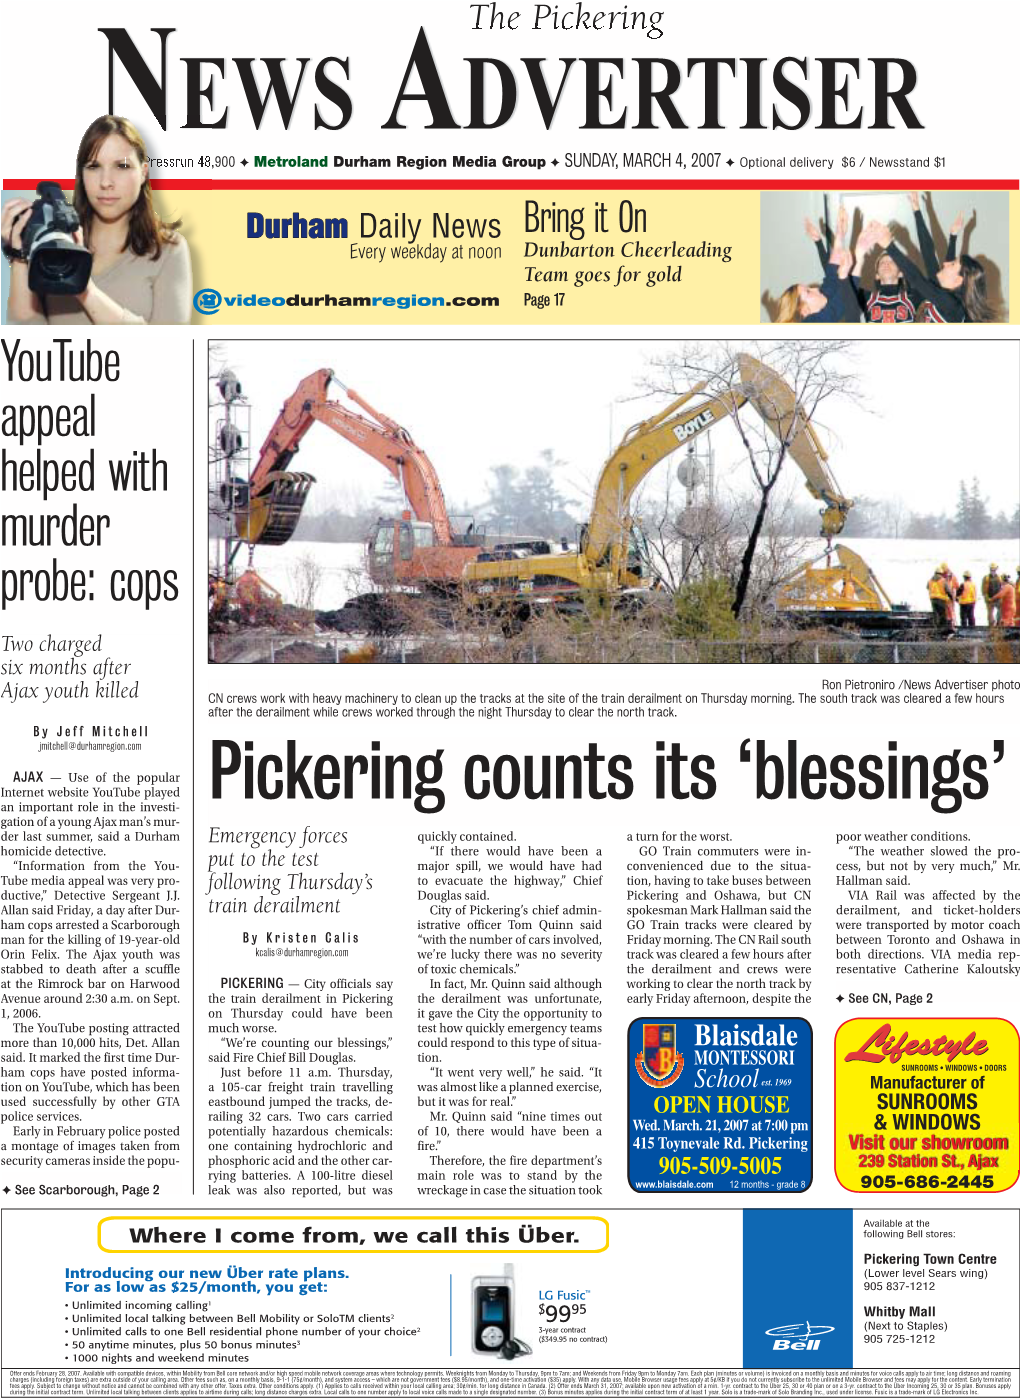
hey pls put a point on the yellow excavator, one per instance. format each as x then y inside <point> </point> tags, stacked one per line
<point>612,557</point>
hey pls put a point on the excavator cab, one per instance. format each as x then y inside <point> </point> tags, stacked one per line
<point>380,552</point>
<point>397,550</point>
<point>639,558</point>
<point>415,535</point>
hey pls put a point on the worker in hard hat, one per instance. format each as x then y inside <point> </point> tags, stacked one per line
<point>990,585</point>
<point>1006,599</point>
<point>952,588</point>
<point>939,598</point>
<point>848,592</point>
<point>966,596</point>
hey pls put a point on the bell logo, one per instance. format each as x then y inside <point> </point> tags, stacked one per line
<point>798,1336</point>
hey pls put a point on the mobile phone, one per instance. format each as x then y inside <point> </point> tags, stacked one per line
<point>492,1313</point>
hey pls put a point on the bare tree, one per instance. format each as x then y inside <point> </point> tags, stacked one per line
<point>685,540</point>
<point>813,371</point>
<point>895,517</point>
<point>781,551</point>
<point>305,576</point>
<point>689,545</point>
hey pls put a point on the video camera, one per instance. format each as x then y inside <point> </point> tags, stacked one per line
<point>57,265</point>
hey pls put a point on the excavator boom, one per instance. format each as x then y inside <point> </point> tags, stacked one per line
<point>647,443</point>
<point>276,494</point>
<point>394,447</point>
<point>775,402</point>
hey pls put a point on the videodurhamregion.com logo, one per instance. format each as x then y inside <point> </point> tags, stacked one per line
<point>208,301</point>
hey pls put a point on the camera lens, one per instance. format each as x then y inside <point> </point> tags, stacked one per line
<point>58,266</point>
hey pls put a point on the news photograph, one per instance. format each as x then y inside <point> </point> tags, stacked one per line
<point>653,501</point>
<point>883,257</point>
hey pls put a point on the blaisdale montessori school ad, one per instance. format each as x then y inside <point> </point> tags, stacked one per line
<point>510,669</point>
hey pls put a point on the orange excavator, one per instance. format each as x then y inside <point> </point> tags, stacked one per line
<point>420,550</point>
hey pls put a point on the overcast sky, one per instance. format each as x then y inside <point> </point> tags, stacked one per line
<point>935,411</point>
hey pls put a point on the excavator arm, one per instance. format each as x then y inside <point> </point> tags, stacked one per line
<point>649,442</point>
<point>394,447</point>
<point>276,493</point>
<point>775,402</point>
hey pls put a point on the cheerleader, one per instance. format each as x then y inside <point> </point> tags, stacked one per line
<point>835,299</point>
<point>957,293</point>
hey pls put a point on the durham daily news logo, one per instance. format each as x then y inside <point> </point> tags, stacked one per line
<point>798,1336</point>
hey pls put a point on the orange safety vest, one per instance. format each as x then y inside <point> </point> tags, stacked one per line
<point>968,593</point>
<point>937,588</point>
<point>1007,598</point>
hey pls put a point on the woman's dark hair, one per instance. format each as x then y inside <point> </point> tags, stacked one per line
<point>974,293</point>
<point>147,232</point>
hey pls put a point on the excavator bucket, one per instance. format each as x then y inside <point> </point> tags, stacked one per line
<point>276,495</point>
<point>272,516</point>
<point>846,587</point>
<point>862,574</point>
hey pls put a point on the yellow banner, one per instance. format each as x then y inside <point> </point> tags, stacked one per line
<point>927,1104</point>
<point>470,257</point>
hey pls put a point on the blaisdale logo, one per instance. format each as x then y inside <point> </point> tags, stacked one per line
<point>798,1336</point>
<point>658,1063</point>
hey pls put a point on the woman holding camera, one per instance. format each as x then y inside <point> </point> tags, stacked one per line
<point>141,269</point>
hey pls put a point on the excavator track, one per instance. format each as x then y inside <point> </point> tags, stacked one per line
<point>893,624</point>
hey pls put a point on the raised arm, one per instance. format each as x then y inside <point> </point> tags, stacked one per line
<point>925,242</point>
<point>842,228</point>
<point>837,284</point>
<point>846,290</point>
<point>815,234</point>
<point>954,233</point>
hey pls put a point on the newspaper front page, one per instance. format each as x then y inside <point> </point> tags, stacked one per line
<point>509,880</point>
